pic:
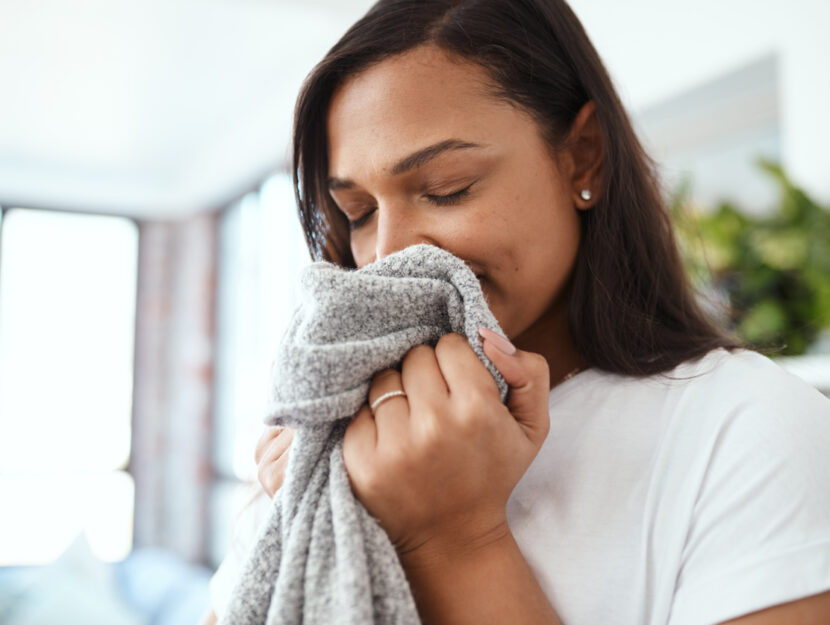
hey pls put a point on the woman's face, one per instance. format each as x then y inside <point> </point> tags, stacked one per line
<point>421,152</point>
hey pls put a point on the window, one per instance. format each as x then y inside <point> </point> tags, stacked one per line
<point>67,312</point>
<point>261,252</point>
<point>713,134</point>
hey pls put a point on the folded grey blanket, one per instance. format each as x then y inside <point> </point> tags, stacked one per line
<point>320,557</point>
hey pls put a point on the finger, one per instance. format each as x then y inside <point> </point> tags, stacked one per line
<point>278,446</point>
<point>462,368</point>
<point>268,434</point>
<point>392,414</point>
<point>360,440</point>
<point>528,376</point>
<point>272,476</point>
<point>421,376</point>
<point>384,382</point>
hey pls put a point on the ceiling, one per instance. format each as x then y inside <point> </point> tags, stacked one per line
<point>165,108</point>
<point>152,108</point>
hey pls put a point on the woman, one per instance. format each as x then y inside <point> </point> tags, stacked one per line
<point>645,469</point>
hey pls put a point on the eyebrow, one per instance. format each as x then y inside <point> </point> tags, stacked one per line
<point>413,161</point>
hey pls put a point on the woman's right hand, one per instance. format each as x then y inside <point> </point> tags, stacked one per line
<point>271,456</point>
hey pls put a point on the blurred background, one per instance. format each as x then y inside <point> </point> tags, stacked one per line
<point>149,248</point>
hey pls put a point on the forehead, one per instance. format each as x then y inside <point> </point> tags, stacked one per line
<point>410,100</point>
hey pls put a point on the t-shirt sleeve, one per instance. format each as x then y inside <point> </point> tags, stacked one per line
<point>760,532</point>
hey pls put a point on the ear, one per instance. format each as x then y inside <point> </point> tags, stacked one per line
<point>585,147</point>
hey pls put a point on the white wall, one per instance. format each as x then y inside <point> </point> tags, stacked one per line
<point>655,49</point>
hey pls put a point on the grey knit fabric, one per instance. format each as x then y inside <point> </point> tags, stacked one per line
<point>320,557</point>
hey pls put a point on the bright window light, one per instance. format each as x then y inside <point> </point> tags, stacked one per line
<point>67,318</point>
<point>262,250</point>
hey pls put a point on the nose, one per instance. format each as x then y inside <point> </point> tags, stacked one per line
<point>398,227</point>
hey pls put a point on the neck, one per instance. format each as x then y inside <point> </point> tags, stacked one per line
<point>549,336</point>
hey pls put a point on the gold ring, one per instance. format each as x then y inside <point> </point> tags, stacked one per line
<point>384,397</point>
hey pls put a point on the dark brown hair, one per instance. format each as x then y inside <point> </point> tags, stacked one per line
<point>632,309</point>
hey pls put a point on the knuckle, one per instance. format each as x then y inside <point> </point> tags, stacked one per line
<point>448,342</point>
<point>268,435</point>
<point>450,338</point>
<point>468,415</point>
<point>477,414</point>
<point>538,365</point>
<point>471,401</point>
<point>422,348</point>
<point>430,433</point>
<point>382,375</point>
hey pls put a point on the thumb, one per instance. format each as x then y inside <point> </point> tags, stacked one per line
<point>528,376</point>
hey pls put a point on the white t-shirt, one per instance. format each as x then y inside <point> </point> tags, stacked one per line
<point>683,499</point>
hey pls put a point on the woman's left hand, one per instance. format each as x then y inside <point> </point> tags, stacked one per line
<point>436,467</point>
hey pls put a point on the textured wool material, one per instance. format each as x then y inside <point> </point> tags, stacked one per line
<point>320,557</point>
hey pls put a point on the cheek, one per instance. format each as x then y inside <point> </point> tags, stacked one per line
<point>551,247</point>
<point>533,260</point>
<point>362,243</point>
<point>540,230</point>
<point>361,257</point>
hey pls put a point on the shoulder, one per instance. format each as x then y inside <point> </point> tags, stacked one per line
<point>741,407</point>
<point>713,387</point>
<point>720,383</point>
<point>741,371</point>
<point>746,391</point>
<point>752,442</point>
<point>743,412</point>
<point>728,413</point>
<point>729,456</point>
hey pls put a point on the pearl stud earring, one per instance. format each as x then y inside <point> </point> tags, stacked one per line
<point>585,194</point>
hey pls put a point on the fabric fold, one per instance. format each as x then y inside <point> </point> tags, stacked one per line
<point>320,557</point>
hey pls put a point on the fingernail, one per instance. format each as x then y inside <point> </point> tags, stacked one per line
<point>501,343</point>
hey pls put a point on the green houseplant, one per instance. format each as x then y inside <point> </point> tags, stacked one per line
<point>771,273</point>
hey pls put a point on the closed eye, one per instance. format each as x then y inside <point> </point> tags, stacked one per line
<point>438,200</point>
<point>354,225</point>
<point>452,198</point>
